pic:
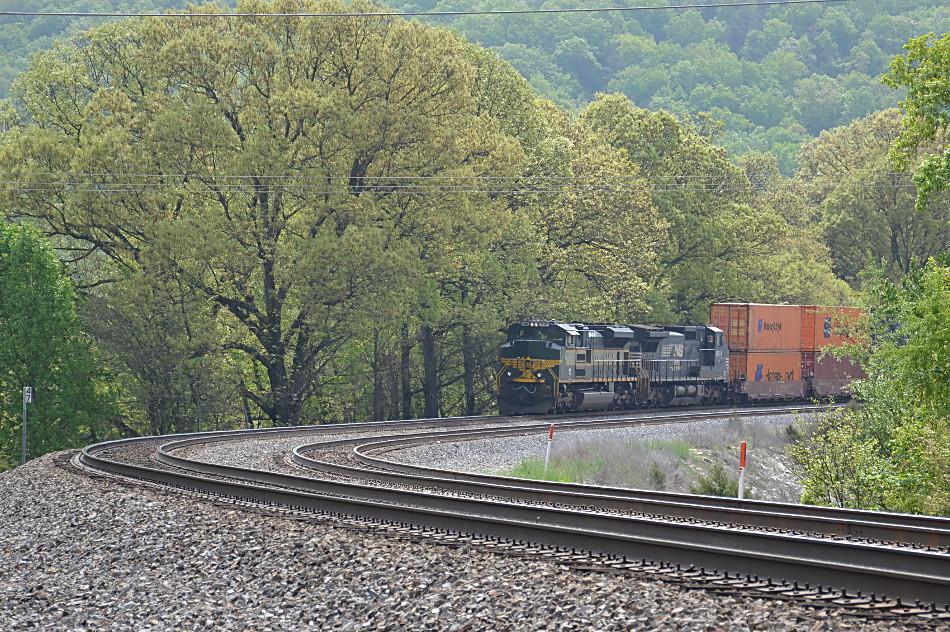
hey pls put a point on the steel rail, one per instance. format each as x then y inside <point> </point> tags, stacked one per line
<point>908,575</point>
<point>874,525</point>
<point>878,526</point>
<point>206,437</point>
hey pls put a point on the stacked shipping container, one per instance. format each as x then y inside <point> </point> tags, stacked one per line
<point>775,351</point>
<point>822,328</point>
<point>764,348</point>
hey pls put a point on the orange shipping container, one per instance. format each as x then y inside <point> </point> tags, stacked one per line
<point>766,366</point>
<point>768,374</point>
<point>759,327</point>
<point>827,326</point>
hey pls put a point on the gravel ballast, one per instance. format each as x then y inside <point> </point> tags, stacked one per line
<point>80,553</point>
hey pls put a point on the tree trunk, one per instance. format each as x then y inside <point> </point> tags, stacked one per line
<point>404,370</point>
<point>430,373</point>
<point>468,359</point>
<point>379,397</point>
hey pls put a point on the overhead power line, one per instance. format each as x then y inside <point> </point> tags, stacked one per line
<point>220,184</point>
<point>80,14</point>
<point>143,177</point>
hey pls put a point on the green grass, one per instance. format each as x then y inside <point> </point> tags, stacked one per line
<point>680,449</point>
<point>570,471</point>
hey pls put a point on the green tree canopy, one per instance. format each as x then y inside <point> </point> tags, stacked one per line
<point>301,174</point>
<point>924,71</point>
<point>42,348</point>
<point>868,210</point>
<point>713,233</point>
<point>760,51</point>
<point>598,232</point>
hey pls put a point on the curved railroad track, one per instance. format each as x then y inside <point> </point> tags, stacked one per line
<point>873,561</point>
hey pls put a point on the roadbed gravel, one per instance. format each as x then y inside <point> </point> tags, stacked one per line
<point>86,554</point>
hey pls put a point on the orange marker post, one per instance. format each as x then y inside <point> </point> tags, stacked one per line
<point>547,456</point>
<point>742,471</point>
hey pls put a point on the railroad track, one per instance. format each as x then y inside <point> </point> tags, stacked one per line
<point>873,561</point>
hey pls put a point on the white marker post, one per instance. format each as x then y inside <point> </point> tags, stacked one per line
<point>547,456</point>
<point>742,471</point>
<point>27,399</point>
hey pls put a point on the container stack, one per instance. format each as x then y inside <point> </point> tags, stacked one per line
<point>777,351</point>
<point>764,348</point>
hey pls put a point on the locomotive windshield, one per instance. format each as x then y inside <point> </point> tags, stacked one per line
<point>543,331</point>
<point>535,333</point>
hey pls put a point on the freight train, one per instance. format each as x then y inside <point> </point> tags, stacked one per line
<point>748,352</point>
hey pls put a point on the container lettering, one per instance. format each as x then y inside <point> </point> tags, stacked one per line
<point>771,376</point>
<point>769,326</point>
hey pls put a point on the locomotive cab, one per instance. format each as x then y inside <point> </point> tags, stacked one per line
<point>549,366</point>
<point>531,359</point>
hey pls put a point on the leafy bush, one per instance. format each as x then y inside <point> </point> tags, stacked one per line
<point>718,483</point>
<point>657,477</point>
<point>792,433</point>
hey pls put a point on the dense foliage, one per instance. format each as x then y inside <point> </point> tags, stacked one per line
<point>865,207</point>
<point>43,348</point>
<point>21,36</point>
<point>923,70</point>
<point>775,75</point>
<point>893,453</point>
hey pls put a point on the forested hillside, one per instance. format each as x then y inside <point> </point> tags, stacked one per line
<point>21,36</point>
<point>774,76</point>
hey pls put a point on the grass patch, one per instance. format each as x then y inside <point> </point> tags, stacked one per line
<point>680,449</point>
<point>649,465</point>
<point>569,471</point>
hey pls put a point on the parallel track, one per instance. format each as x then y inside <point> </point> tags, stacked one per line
<point>791,545</point>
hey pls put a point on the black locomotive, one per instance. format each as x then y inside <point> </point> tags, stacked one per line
<point>550,366</point>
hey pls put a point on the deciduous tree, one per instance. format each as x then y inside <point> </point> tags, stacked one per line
<point>713,233</point>
<point>868,209</point>
<point>43,349</point>
<point>924,71</point>
<point>296,172</point>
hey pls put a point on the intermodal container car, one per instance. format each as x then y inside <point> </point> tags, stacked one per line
<point>759,327</point>
<point>767,374</point>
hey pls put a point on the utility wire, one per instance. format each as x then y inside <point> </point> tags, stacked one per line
<point>77,14</point>
<point>239,185</point>
<point>369,178</point>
